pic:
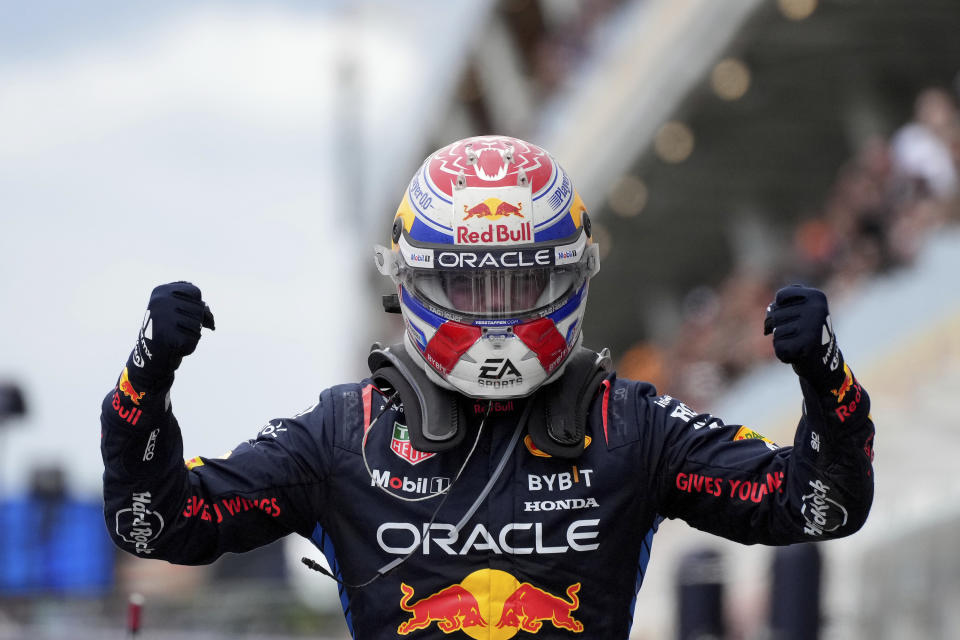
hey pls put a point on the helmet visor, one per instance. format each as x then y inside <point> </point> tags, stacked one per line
<point>503,293</point>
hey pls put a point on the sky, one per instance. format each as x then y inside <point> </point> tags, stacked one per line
<point>147,143</point>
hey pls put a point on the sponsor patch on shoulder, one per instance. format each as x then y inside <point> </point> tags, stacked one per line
<point>532,448</point>
<point>746,433</point>
<point>400,444</point>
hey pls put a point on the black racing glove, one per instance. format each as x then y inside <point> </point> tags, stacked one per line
<point>803,335</point>
<point>170,331</point>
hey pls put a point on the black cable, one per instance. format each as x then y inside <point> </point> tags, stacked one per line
<point>389,567</point>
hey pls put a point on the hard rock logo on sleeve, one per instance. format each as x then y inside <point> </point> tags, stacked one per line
<point>138,525</point>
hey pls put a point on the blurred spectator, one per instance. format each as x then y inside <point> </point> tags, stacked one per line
<point>925,149</point>
<point>11,402</point>
<point>882,204</point>
<point>644,361</point>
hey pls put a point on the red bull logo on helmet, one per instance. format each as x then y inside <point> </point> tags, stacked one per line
<point>493,208</point>
<point>491,604</point>
<point>493,216</point>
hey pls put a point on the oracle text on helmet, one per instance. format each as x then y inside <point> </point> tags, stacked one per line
<point>505,259</point>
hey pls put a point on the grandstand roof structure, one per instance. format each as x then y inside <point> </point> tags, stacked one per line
<point>822,78</point>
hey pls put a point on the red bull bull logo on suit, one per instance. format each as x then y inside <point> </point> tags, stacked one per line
<point>127,388</point>
<point>490,604</point>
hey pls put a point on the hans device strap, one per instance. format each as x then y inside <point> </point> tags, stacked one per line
<point>557,421</point>
<point>434,415</point>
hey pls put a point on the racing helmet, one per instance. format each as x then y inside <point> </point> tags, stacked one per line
<point>491,253</point>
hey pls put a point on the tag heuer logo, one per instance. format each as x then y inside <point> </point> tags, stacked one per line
<point>400,444</point>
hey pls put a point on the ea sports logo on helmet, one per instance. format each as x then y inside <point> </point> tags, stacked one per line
<point>491,252</point>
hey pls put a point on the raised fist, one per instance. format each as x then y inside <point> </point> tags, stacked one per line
<point>803,334</point>
<point>170,331</point>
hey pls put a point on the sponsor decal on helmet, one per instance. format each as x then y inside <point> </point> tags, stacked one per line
<point>490,161</point>
<point>415,256</point>
<point>495,234</point>
<point>493,216</point>
<point>494,259</point>
<point>570,253</point>
<point>499,373</point>
<point>494,209</point>
<point>490,203</point>
<point>561,194</point>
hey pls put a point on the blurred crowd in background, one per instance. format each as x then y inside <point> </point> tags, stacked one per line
<point>883,202</point>
<point>891,194</point>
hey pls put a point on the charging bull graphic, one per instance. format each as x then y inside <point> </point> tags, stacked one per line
<point>845,386</point>
<point>127,388</point>
<point>493,208</point>
<point>528,607</point>
<point>453,608</point>
<point>487,595</point>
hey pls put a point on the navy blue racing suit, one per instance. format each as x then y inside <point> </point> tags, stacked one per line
<point>553,547</point>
